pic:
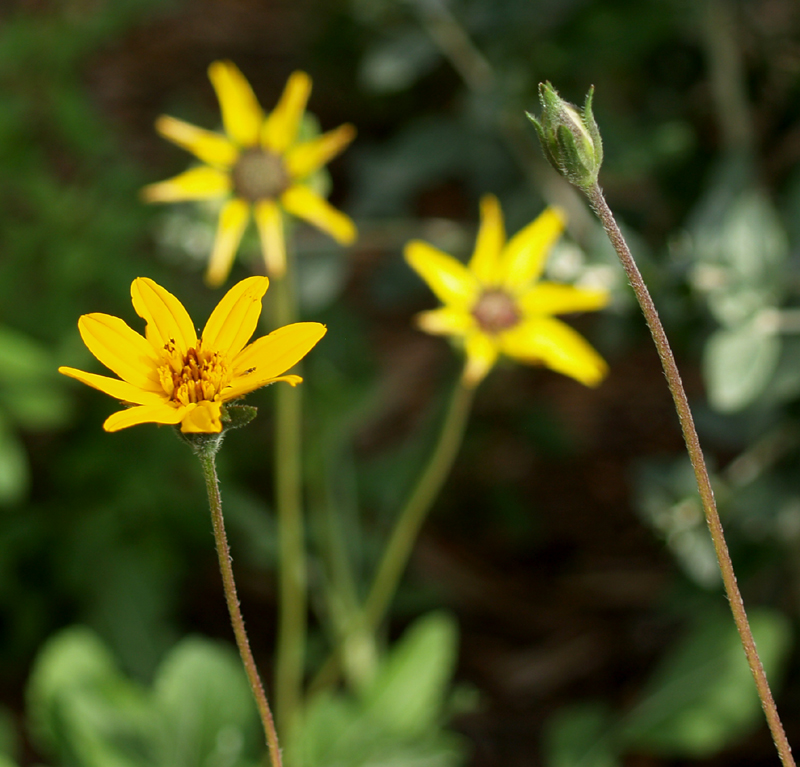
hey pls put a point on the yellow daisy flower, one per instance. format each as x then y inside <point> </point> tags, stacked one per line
<point>172,377</point>
<point>497,304</point>
<point>258,166</point>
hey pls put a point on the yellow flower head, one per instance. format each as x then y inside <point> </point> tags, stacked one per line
<point>257,165</point>
<point>498,305</point>
<point>170,376</point>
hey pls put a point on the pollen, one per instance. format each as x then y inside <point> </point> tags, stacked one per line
<point>196,376</point>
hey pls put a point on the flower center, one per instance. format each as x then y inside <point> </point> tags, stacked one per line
<point>194,377</point>
<point>495,311</point>
<point>259,175</point>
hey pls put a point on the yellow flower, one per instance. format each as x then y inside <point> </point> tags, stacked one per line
<point>497,305</point>
<point>170,376</point>
<point>257,165</point>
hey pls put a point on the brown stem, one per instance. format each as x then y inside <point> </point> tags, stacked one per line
<point>598,202</point>
<point>223,552</point>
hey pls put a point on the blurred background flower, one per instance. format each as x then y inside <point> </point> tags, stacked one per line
<point>566,543</point>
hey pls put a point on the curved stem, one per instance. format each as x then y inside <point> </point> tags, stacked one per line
<point>398,550</point>
<point>290,656</point>
<point>675,383</point>
<point>223,552</point>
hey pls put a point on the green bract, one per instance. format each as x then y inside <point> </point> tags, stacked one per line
<point>570,138</point>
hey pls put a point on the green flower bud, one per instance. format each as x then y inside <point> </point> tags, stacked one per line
<point>570,138</point>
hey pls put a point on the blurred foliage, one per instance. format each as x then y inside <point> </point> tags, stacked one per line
<point>111,531</point>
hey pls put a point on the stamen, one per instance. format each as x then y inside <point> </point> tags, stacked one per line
<point>259,175</point>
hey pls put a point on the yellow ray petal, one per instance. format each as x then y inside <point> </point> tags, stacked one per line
<point>550,342</point>
<point>554,298</point>
<point>482,353</point>
<point>269,221</point>
<point>121,350</point>
<point>203,183</point>
<point>303,159</point>
<point>523,259</point>
<point>120,390</point>
<point>448,278</point>
<point>241,114</point>
<point>203,419</point>
<point>234,319</point>
<point>300,201</point>
<point>280,128</point>
<point>485,260</point>
<point>167,320</point>
<point>232,222</point>
<point>206,145</point>
<point>268,357</point>
<point>164,413</point>
<point>446,321</point>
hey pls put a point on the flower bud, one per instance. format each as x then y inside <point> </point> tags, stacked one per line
<point>570,138</point>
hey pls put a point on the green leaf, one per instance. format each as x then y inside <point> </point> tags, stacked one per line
<point>702,697</point>
<point>398,61</point>
<point>206,706</point>
<point>739,363</point>
<point>14,470</point>
<point>580,736</point>
<point>409,691</point>
<point>83,710</point>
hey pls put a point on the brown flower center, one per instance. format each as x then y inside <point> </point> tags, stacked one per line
<point>194,377</point>
<point>259,175</point>
<point>495,311</point>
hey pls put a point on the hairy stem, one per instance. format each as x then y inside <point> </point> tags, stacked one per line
<point>675,383</point>
<point>207,463</point>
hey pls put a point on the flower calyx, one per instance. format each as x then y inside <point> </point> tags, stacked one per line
<point>569,136</point>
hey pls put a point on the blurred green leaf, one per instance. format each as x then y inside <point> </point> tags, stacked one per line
<point>739,363</point>
<point>207,708</point>
<point>398,61</point>
<point>82,710</point>
<point>702,698</point>
<point>409,691</point>
<point>14,472</point>
<point>580,736</point>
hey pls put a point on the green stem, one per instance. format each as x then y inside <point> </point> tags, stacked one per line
<point>398,550</point>
<point>207,463</point>
<point>290,656</point>
<point>409,521</point>
<point>600,206</point>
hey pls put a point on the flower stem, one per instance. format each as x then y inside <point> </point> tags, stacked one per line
<point>290,660</point>
<point>398,550</point>
<point>598,202</point>
<point>207,463</point>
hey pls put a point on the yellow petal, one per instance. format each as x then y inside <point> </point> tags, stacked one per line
<point>300,201</point>
<point>241,114</point>
<point>550,342</point>
<point>485,260</point>
<point>201,183</point>
<point>232,222</point>
<point>482,353</point>
<point>167,321</point>
<point>203,419</point>
<point>303,159</point>
<point>206,145</point>
<point>164,413</point>
<point>523,259</point>
<point>268,357</point>
<point>235,318</point>
<point>269,221</point>
<point>120,390</point>
<point>121,349</point>
<point>280,127</point>
<point>554,298</point>
<point>446,321</point>
<point>448,278</point>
